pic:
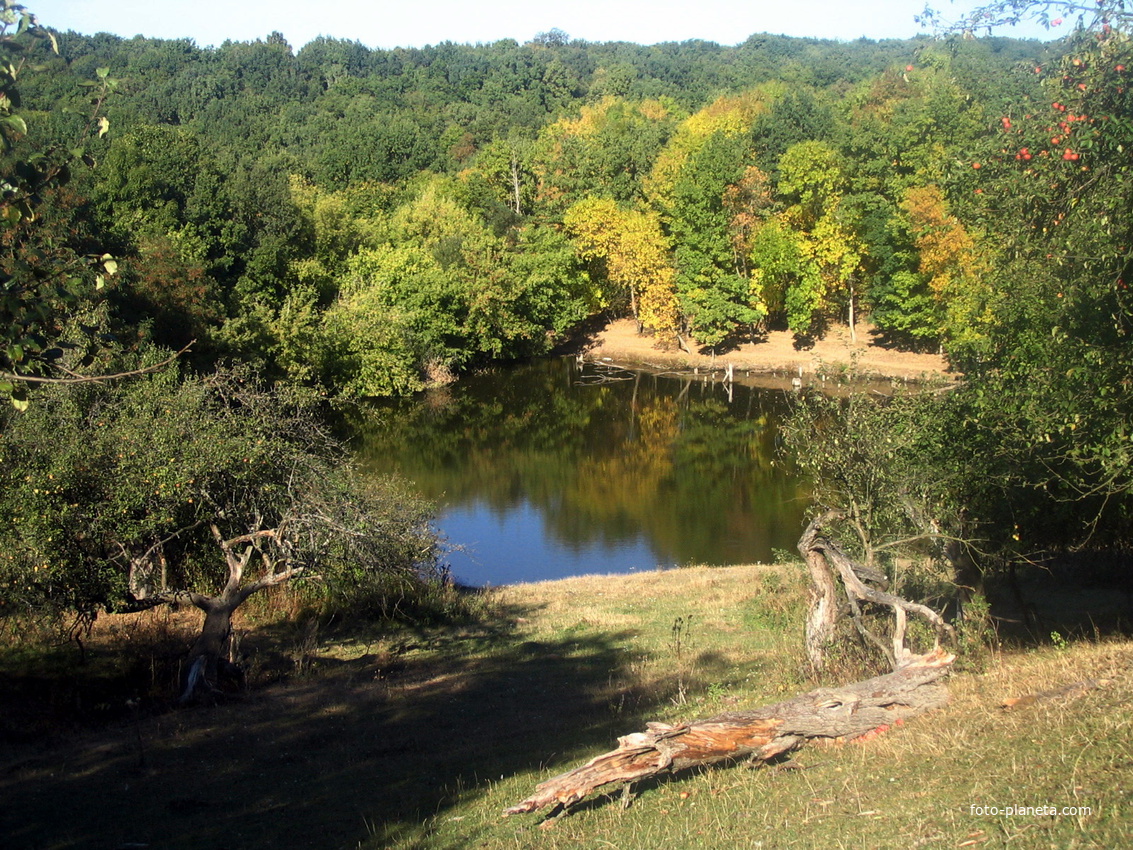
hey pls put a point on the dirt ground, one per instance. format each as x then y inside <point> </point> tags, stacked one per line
<point>778,352</point>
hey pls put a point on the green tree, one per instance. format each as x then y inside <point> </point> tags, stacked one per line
<point>441,291</point>
<point>813,182</point>
<point>712,280</point>
<point>202,490</point>
<point>46,273</point>
<point>880,494</point>
<point>777,264</point>
<point>607,151</point>
<point>1049,385</point>
<point>797,116</point>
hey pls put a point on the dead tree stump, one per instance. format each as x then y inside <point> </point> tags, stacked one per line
<point>830,566</point>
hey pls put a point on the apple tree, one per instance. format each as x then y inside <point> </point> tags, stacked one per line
<point>44,273</point>
<point>198,490</point>
<point>1043,414</point>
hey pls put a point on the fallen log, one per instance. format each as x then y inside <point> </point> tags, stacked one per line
<point>760,734</point>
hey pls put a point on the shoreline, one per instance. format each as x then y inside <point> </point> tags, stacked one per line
<point>775,358</point>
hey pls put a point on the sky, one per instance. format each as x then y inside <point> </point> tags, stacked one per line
<point>416,23</point>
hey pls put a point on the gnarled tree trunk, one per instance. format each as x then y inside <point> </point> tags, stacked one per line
<point>822,618</point>
<point>206,657</point>
<point>828,563</point>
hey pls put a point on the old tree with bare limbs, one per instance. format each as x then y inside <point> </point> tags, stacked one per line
<point>196,490</point>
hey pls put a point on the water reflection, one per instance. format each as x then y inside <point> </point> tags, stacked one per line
<point>549,469</point>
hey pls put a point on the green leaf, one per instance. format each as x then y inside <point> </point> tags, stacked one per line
<point>16,123</point>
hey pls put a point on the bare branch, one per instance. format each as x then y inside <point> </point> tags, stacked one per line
<point>168,597</point>
<point>845,567</point>
<point>271,581</point>
<point>146,555</point>
<point>75,378</point>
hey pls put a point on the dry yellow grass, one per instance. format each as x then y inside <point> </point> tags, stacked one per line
<point>716,595</point>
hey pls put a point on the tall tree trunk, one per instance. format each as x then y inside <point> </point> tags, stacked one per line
<point>516,195</point>
<point>212,642</point>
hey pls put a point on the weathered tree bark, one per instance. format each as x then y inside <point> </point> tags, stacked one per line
<point>822,617</point>
<point>206,655</point>
<point>845,712</point>
<point>825,560</point>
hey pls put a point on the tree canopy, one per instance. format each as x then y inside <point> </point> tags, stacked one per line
<point>356,222</point>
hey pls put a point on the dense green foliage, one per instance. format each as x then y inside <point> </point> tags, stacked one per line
<point>116,492</point>
<point>370,222</point>
<point>374,220</point>
<point>1029,458</point>
<point>1050,383</point>
<point>47,266</point>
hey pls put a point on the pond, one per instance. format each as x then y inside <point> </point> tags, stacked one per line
<point>554,469</point>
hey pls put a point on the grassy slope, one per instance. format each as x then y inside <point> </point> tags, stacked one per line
<point>910,788</point>
<point>421,739</point>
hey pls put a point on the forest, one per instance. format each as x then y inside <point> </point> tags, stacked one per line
<point>253,238</point>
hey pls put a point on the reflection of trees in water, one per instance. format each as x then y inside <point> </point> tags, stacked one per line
<point>603,461</point>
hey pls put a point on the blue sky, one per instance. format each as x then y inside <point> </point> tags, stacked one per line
<point>415,23</point>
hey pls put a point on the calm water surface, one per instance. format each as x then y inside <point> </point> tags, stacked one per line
<point>550,470</point>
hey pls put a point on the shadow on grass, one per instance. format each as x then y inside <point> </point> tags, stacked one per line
<point>361,750</point>
<point>1086,594</point>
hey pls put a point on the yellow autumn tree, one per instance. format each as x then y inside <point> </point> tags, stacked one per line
<point>731,116</point>
<point>953,263</point>
<point>813,183</point>
<point>636,257</point>
<point>837,253</point>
